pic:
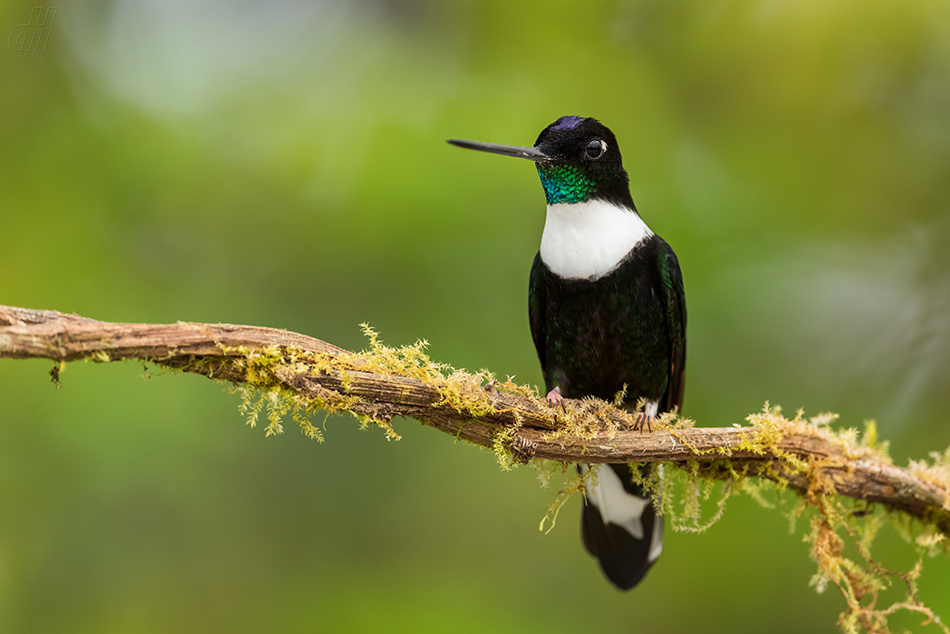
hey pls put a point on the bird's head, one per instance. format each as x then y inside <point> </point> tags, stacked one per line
<point>578,160</point>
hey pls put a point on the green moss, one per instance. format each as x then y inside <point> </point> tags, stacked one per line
<point>692,495</point>
<point>501,441</point>
<point>572,485</point>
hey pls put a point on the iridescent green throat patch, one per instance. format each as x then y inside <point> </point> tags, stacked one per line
<point>564,184</point>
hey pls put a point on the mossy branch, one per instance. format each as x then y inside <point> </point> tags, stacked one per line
<point>381,383</point>
<point>290,373</point>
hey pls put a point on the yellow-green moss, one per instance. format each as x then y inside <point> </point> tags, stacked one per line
<point>691,495</point>
<point>682,491</point>
<point>460,390</point>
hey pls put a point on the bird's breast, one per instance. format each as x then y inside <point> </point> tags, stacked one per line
<point>588,240</point>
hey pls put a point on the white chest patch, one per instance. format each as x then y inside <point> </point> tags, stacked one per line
<point>588,240</point>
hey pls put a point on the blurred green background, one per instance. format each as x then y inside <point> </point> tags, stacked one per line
<point>284,164</point>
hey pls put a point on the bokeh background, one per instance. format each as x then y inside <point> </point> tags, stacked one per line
<point>284,164</point>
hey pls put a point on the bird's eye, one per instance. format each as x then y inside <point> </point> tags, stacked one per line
<point>595,149</point>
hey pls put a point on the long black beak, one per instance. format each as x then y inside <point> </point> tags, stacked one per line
<point>530,153</point>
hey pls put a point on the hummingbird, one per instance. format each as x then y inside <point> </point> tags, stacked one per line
<point>608,316</point>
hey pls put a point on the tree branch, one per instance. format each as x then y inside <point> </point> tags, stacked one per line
<point>369,386</point>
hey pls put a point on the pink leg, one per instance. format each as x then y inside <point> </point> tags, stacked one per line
<point>554,399</point>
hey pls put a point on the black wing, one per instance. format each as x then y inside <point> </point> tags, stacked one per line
<point>674,302</point>
<point>537,299</point>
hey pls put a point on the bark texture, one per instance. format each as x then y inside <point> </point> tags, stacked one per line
<point>221,351</point>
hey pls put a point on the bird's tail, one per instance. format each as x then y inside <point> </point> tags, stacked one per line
<point>619,525</point>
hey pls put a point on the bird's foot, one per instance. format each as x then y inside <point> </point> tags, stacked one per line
<point>554,399</point>
<point>646,417</point>
<point>491,386</point>
<point>643,418</point>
